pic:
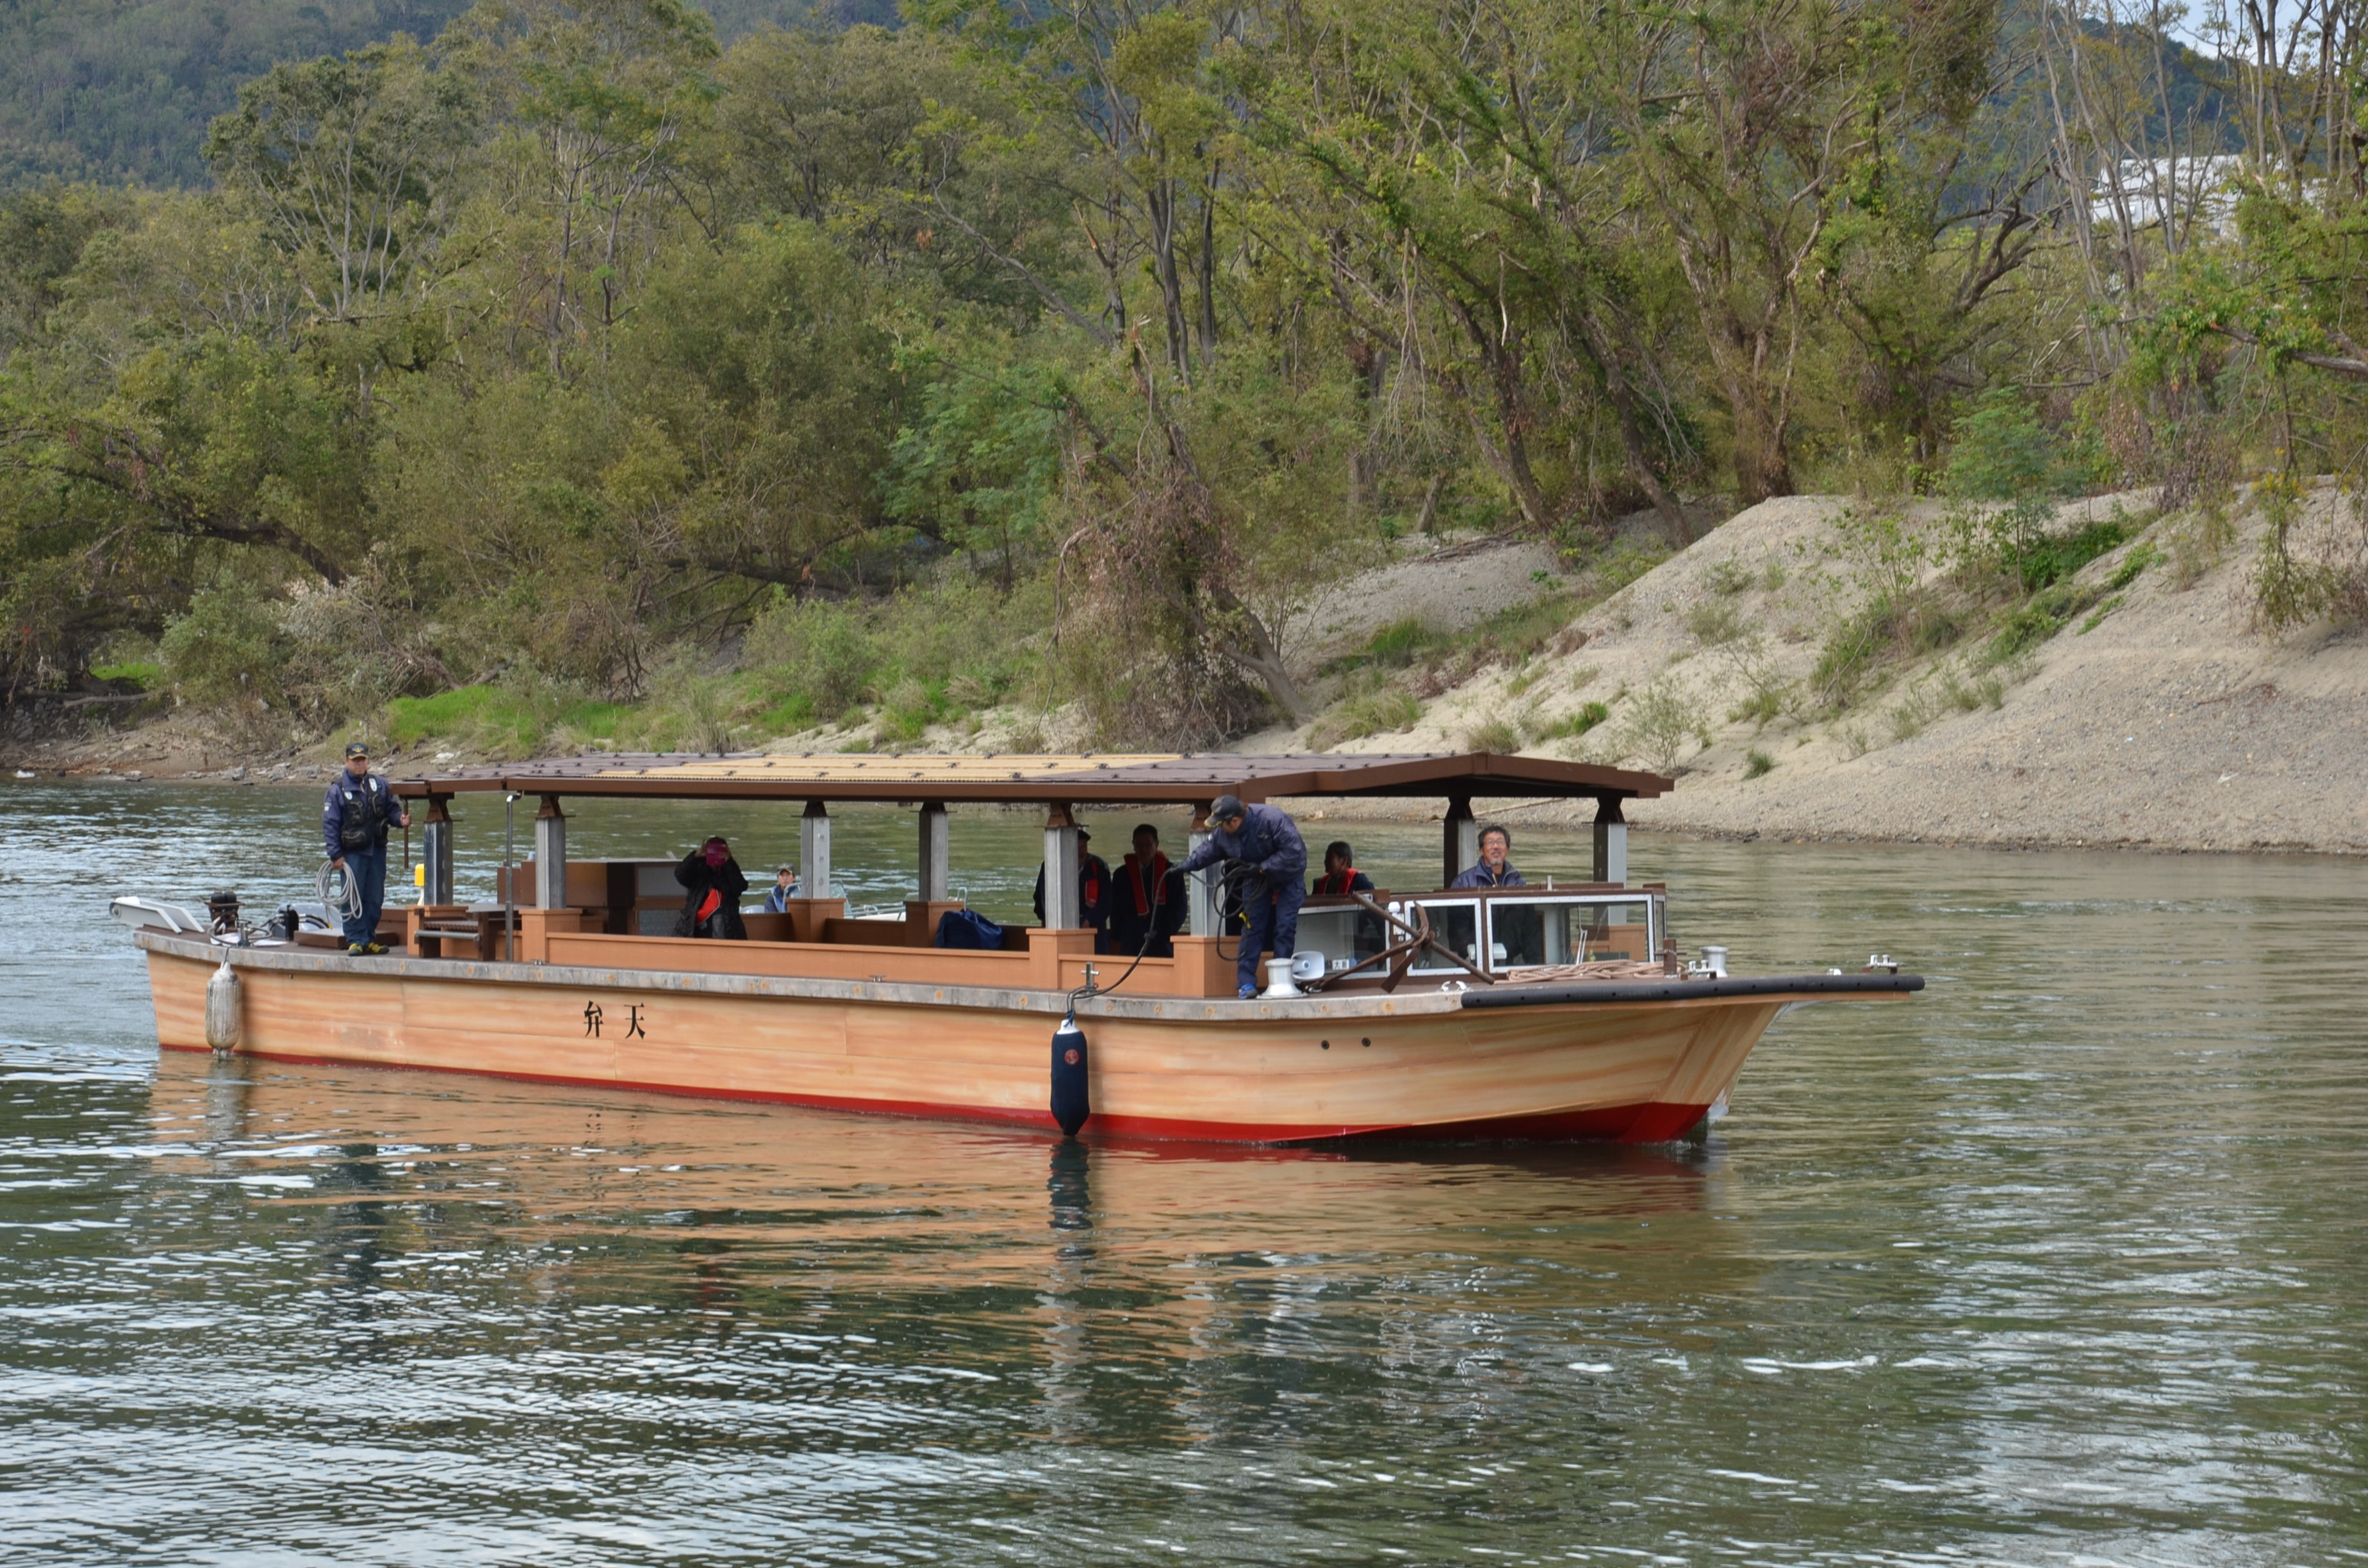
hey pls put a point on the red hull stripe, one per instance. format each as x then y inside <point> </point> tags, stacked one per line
<point>1648,1122</point>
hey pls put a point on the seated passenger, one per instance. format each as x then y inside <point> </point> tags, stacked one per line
<point>784,888</point>
<point>1093,893</point>
<point>711,886</point>
<point>1148,901</point>
<point>1494,870</point>
<point>1340,876</point>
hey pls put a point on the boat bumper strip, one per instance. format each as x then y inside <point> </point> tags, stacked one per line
<point>1692,990</point>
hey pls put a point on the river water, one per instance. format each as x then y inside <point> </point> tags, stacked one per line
<point>2062,1262</point>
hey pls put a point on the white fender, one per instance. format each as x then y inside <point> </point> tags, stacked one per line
<point>222,1009</point>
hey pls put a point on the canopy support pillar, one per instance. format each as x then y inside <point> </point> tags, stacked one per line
<point>550,855</point>
<point>1611,841</point>
<point>437,851</point>
<point>1459,846</point>
<point>936,853</point>
<point>1199,888</point>
<point>1062,910</point>
<point>814,851</point>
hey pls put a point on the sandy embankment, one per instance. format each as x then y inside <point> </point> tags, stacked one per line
<point>2171,724</point>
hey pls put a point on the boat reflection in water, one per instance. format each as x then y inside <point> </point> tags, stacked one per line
<point>412,1164</point>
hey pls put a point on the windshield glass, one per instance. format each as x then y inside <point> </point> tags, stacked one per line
<point>1457,928</point>
<point>1524,931</point>
<point>1342,936</point>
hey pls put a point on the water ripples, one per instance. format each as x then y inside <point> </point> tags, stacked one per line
<point>2058,1263</point>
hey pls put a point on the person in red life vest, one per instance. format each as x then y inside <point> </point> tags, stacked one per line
<point>711,886</point>
<point>1340,876</point>
<point>1093,893</point>
<point>1148,902</point>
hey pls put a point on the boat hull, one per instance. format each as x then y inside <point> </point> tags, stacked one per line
<point>1420,1065</point>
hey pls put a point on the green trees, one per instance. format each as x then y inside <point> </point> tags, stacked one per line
<point>1488,173</point>
<point>579,344</point>
<point>350,162</point>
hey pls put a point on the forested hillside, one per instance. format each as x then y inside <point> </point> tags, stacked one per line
<point>122,90</point>
<point>581,372</point>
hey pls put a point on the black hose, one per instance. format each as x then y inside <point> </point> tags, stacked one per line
<point>1239,875</point>
<point>1090,989</point>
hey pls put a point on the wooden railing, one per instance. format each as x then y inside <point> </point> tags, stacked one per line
<point>1053,961</point>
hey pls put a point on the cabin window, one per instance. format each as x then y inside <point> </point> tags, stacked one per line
<point>1457,928</point>
<point>1342,934</point>
<point>1558,931</point>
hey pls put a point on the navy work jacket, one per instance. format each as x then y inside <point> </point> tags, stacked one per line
<point>1268,840</point>
<point>369,799</point>
<point>1479,877</point>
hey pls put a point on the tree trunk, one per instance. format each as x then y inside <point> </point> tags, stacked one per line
<point>1261,658</point>
<point>1623,398</point>
<point>1512,459</point>
<point>1209,269</point>
<point>1429,504</point>
<point>1160,204</point>
<point>1763,468</point>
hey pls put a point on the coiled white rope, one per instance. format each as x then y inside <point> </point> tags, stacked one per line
<point>347,902</point>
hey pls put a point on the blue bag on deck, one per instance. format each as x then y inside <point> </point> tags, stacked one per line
<point>968,928</point>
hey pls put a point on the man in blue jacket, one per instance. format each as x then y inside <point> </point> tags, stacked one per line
<point>1494,870</point>
<point>1266,841</point>
<point>354,820</point>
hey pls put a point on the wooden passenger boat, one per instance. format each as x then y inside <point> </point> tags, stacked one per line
<point>1513,1013</point>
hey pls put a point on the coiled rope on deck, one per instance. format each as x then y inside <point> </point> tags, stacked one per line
<point>347,902</point>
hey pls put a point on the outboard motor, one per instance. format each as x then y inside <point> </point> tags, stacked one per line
<point>222,908</point>
<point>1070,1107</point>
<point>289,923</point>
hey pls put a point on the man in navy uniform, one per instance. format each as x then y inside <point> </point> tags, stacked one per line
<point>354,819</point>
<point>1268,841</point>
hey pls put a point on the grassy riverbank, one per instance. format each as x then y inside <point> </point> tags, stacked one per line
<point>1812,668</point>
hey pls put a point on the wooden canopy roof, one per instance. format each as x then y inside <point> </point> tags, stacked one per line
<point>1141,778</point>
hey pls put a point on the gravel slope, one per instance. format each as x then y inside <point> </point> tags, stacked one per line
<point>2170,725</point>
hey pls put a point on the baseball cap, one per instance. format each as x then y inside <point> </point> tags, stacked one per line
<point>356,748</point>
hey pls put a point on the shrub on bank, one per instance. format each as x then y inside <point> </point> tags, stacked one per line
<point>517,718</point>
<point>1364,714</point>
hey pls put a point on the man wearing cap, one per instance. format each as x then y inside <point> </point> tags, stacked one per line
<point>1093,893</point>
<point>354,819</point>
<point>785,887</point>
<point>1266,841</point>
